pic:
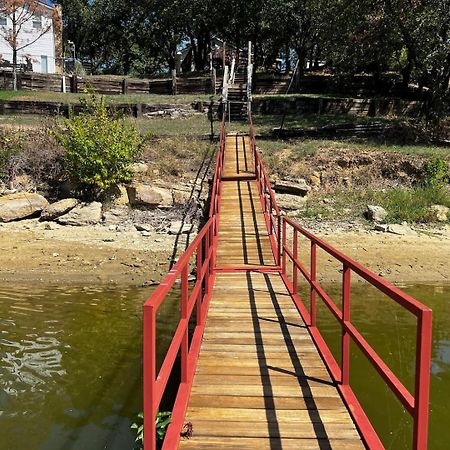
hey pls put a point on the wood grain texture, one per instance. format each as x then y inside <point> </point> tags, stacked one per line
<point>260,382</point>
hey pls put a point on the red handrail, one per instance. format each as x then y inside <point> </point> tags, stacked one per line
<point>416,405</point>
<point>203,248</point>
<point>271,211</point>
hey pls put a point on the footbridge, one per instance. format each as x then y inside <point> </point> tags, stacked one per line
<point>251,368</point>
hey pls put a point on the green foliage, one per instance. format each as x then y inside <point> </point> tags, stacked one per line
<point>99,146</point>
<point>412,205</point>
<point>436,172</point>
<point>163,419</point>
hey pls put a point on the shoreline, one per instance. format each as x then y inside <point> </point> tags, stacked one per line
<point>30,253</point>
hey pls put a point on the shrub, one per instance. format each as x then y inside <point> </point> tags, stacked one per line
<point>435,172</point>
<point>163,419</point>
<point>100,146</point>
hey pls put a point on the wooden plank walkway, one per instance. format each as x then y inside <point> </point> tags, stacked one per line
<point>260,382</point>
<point>239,162</point>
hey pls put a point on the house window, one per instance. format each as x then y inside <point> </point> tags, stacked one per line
<point>37,22</point>
<point>3,20</point>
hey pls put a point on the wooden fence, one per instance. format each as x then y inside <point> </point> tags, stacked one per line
<point>106,84</point>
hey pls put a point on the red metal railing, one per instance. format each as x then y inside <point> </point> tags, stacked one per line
<point>271,211</point>
<point>416,405</point>
<point>203,251</point>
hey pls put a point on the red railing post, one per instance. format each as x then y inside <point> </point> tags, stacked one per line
<point>294,266</point>
<point>199,280</point>
<point>184,316</point>
<point>313,312</point>
<point>422,387</point>
<point>206,256</point>
<point>281,244</point>
<point>345,363</point>
<point>149,368</point>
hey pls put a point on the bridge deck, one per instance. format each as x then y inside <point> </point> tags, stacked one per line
<point>260,382</point>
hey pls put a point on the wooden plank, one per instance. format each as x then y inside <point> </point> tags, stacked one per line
<point>303,430</point>
<point>228,443</point>
<point>260,381</point>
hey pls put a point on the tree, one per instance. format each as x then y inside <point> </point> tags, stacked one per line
<point>20,12</point>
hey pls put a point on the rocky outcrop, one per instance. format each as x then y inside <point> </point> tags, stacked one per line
<point>299,187</point>
<point>83,214</point>
<point>376,213</point>
<point>146,196</point>
<point>290,202</point>
<point>58,209</point>
<point>20,206</point>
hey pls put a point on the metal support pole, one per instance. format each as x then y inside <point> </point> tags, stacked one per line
<point>184,316</point>
<point>345,363</point>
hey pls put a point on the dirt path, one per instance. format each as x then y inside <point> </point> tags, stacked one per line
<point>29,252</point>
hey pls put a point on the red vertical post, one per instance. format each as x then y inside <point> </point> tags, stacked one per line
<point>345,363</point>
<point>313,311</point>
<point>281,244</point>
<point>149,363</point>
<point>212,243</point>
<point>294,266</point>
<point>184,316</point>
<point>205,257</point>
<point>422,388</point>
<point>199,280</point>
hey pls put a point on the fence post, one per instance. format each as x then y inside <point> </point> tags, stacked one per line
<point>125,86</point>
<point>174,82</point>
<point>294,268</point>
<point>199,279</point>
<point>213,80</point>
<point>149,367</point>
<point>422,387</point>
<point>345,363</point>
<point>184,316</point>
<point>249,78</point>
<point>281,244</point>
<point>313,312</point>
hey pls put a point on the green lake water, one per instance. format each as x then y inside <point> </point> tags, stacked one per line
<point>70,363</point>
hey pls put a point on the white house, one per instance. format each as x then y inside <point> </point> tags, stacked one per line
<point>44,52</point>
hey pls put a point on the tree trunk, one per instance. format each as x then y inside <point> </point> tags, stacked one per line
<point>15,69</point>
<point>14,47</point>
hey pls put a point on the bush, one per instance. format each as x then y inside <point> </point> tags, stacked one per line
<point>100,147</point>
<point>436,172</point>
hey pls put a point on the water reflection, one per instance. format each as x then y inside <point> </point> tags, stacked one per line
<point>70,363</point>
<point>70,366</point>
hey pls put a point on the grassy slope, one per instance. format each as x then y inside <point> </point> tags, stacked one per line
<point>111,99</point>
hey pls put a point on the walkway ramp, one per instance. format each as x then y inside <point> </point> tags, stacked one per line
<point>260,382</point>
<point>254,371</point>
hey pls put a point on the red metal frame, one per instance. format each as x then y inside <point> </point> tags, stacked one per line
<point>417,405</point>
<point>204,248</point>
<point>271,211</point>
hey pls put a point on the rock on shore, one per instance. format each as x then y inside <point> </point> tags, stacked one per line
<point>20,206</point>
